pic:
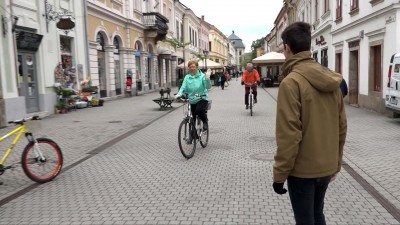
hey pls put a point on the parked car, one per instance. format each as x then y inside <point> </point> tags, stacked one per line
<point>392,100</point>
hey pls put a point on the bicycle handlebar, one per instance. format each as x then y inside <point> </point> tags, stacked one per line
<point>185,97</point>
<point>23,120</point>
<point>246,83</point>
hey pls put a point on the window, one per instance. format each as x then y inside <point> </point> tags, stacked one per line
<point>324,57</point>
<point>190,34</point>
<point>353,5</point>
<point>376,64</point>
<point>316,10</point>
<point>177,30</point>
<point>315,56</point>
<point>326,6</point>
<point>338,9</point>
<point>338,67</point>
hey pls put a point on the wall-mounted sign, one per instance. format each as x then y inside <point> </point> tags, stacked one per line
<point>320,40</point>
<point>28,41</point>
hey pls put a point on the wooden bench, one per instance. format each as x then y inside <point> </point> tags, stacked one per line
<point>164,102</point>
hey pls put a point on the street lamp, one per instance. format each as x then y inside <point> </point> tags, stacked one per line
<point>205,52</point>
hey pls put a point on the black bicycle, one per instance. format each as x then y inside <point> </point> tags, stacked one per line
<point>191,130</point>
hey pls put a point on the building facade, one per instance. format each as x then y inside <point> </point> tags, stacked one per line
<point>364,38</point>
<point>237,43</point>
<point>40,43</point>
<point>125,42</point>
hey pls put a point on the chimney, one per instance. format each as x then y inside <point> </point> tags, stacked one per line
<point>202,17</point>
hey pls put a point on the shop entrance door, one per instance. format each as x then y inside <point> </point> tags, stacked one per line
<point>27,79</point>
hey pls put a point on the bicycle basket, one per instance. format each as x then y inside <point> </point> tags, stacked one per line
<point>209,104</point>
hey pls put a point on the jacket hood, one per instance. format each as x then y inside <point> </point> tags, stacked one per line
<point>320,77</point>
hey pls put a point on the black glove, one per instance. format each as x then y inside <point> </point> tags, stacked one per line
<point>278,188</point>
<point>242,83</point>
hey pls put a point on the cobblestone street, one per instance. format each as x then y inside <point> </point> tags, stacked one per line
<point>123,166</point>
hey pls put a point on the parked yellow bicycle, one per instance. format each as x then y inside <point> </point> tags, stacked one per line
<point>41,159</point>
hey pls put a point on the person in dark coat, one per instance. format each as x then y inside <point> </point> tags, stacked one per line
<point>343,88</point>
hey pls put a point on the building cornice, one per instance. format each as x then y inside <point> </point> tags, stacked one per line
<point>351,25</point>
<point>108,15</point>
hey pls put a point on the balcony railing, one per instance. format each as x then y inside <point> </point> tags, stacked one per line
<point>154,20</point>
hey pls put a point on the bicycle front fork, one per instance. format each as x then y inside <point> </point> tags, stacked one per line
<point>36,148</point>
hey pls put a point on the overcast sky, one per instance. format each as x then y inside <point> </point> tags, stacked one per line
<point>250,19</point>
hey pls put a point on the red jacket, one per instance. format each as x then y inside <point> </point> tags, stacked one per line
<point>250,77</point>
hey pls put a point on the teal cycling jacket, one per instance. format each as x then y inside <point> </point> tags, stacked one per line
<point>193,85</point>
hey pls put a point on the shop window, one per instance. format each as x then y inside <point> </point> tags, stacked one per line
<point>67,71</point>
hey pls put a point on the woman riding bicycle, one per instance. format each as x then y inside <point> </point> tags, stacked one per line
<point>196,85</point>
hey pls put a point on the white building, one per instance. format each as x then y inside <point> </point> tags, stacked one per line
<point>28,72</point>
<point>364,37</point>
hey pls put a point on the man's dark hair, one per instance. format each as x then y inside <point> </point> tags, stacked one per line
<point>298,36</point>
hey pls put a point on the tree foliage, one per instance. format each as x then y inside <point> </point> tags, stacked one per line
<point>176,43</point>
<point>259,43</point>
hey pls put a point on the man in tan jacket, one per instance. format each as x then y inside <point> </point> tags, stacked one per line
<point>311,127</point>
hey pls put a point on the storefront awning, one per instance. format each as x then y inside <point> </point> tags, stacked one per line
<point>165,53</point>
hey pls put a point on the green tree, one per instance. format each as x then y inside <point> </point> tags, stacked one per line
<point>176,43</point>
<point>255,45</point>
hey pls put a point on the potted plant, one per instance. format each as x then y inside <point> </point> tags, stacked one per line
<point>100,102</point>
<point>61,108</point>
<point>91,89</point>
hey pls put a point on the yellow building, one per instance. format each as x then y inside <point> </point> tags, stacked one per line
<point>123,45</point>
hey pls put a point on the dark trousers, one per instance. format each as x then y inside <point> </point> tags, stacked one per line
<point>200,109</point>
<point>307,197</point>
<point>222,84</point>
<point>247,91</point>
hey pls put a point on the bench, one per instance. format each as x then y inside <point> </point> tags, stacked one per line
<point>164,102</point>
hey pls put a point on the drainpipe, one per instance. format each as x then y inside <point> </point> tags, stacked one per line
<point>183,41</point>
<point>15,48</point>
<point>85,17</point>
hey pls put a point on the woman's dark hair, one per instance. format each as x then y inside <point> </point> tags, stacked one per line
<point>298,36</point>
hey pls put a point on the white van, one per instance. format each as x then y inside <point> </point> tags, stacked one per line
<point>393,86</point>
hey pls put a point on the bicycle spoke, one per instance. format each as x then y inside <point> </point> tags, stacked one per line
<point>45,167</point>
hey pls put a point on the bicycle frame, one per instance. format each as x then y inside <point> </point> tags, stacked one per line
<point>19,131</point>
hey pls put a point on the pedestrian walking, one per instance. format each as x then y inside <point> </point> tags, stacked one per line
<point>223,79</point>
<point>311,127</point>
<point>343,88</point>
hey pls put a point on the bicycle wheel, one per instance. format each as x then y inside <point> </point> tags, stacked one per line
<point>186,139</point>
<point>203,135</point>
<point>251,105</point>
<point>42,170</point>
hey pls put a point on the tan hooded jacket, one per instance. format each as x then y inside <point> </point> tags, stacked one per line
<point>311,122</point>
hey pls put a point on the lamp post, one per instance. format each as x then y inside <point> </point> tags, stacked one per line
<point>205,52</point>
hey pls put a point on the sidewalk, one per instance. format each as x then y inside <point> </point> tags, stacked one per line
<point>79,132</point>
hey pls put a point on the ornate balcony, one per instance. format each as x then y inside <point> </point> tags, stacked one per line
<point>156,25</point>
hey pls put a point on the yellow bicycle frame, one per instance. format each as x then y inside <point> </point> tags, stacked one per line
<point>19,131</point>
